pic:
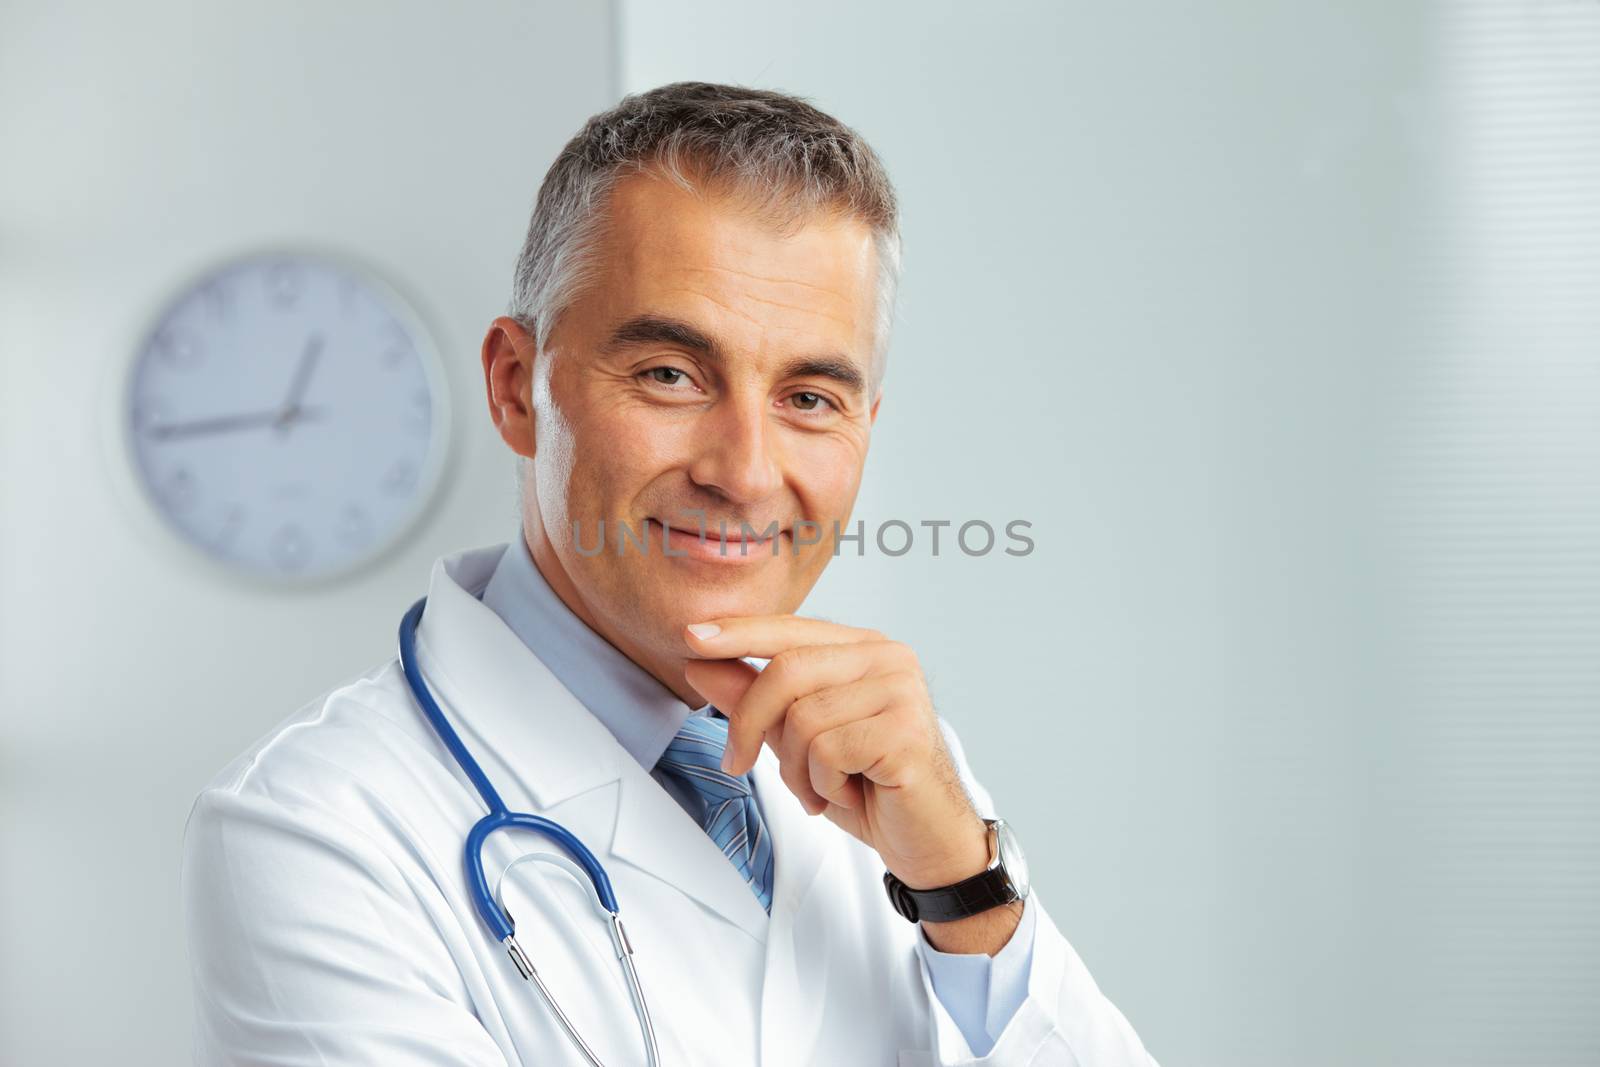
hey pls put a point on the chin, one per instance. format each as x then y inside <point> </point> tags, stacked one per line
<point>683,603</point>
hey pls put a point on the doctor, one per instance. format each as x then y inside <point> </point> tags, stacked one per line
<point>809,871</point>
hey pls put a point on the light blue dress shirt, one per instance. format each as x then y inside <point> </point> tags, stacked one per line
<point>980,992</point>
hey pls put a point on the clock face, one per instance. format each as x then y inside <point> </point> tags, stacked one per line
<point>287,416</point>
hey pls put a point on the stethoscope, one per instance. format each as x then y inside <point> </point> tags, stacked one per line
<point>492,911</point>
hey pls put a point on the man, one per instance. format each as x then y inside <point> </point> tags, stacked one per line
<point>690,375</point>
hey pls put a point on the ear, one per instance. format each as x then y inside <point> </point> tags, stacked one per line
<point>872,415</point>
<point>508,355</point>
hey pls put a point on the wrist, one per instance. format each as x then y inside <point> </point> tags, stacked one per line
<point>1002,880</point>
<point>985,933</point>
<point>969,855</point>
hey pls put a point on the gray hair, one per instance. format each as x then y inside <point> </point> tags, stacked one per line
<point>784,158</point>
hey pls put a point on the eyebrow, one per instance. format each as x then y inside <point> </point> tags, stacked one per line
<point>657,329</point>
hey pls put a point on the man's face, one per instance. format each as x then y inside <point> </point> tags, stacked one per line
<point>714,367</point>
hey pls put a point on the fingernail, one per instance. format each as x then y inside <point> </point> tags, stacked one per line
<point>727,761</point>
<point>703,630</point>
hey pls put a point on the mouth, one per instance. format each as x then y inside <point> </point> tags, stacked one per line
<point>735,549</point>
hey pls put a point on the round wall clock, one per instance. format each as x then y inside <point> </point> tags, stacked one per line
<point>287,415</point>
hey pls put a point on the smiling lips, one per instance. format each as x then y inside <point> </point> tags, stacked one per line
<point>714,548</point>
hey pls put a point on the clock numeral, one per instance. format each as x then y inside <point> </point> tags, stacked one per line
<point>178,350</point>
<point>179,489</point>
<point>283,284</point>
<point>290,548</point>
<point>228,532</point>
<point>419,418</point>
<point>149,415</point>
<point>396,350</point>
<point>354,528</point>
<point>349,293</point>
<point>218,297</point>
<point>400,478</point>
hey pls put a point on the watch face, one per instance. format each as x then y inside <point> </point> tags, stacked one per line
<point>1011,857</point>
<point>287,416</point>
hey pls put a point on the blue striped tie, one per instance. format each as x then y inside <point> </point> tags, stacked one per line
<point>731,818</point>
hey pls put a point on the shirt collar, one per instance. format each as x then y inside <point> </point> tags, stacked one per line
<point>641,713</point>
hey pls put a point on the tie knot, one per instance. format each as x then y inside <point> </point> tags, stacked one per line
<point>695,754</point>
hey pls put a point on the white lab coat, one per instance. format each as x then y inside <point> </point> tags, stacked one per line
<point>329,920</point>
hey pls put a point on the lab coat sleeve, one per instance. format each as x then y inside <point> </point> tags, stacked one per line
<point>309,946</point>
<point>1063,1020</point>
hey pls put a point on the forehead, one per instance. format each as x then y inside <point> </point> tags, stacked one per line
<point>706,258</point>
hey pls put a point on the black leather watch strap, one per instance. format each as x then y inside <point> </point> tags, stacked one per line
<point>987,889</point>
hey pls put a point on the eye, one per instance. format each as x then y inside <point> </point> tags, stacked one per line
<point>666,375</point>
<point>811,402</point>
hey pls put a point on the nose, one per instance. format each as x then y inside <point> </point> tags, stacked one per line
<point>738,457</point>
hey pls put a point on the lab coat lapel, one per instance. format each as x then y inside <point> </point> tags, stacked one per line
<point>524,726</point>
<point>798,839</point>
<point>658,837</point>
<point>795,993</point>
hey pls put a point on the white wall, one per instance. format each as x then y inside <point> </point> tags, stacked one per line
<point>1150,259</point>
<point>1500,536</point>
<point>142,142</point>
<point>1278,321</point>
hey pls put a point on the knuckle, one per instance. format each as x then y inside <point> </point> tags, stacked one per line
<point>804,715</point>
<point>787,665</point>
<point>780,666</point>
<point>795,777</point>
<point>826,748</point>
<point>904,683</point>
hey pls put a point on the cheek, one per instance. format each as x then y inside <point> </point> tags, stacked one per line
<point>826,472</point>
<point>616,452</point>
<point>553,464</point>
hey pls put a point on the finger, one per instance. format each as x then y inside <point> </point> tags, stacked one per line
<point>722,682</point>
<point>815,714</point>
<point>883,749</point>
<point>795,673</point>
<point>764,636</point>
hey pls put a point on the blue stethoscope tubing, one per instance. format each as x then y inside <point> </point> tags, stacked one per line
<point>493,914</point>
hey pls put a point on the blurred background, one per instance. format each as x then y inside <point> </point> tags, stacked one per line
<point>1279,322</point>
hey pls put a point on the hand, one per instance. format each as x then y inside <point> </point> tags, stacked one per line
<point>291,412</point>
<point>229,423</point>
<point>848,715</point>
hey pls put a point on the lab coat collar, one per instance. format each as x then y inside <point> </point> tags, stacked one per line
<point>641,713</point>
<point>525,723</point>
<point>524,726</point>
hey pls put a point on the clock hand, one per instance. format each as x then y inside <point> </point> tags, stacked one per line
<point>227,423</point>
<point>302,379</point>
<point>281,419</point>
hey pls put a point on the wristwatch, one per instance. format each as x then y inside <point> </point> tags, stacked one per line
<point>1004,880</point>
